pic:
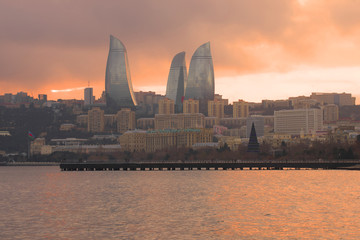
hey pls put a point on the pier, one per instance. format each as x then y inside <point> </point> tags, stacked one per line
<point>208,165</point>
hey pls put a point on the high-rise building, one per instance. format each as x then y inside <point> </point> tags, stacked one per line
<point>258,122</point>
<point>177,80</point>
<point>331,113</point>
<point>298,121</point>
<point>9,98</point>
<point>191,106</point>
<point>118,86</point>
<point>240,109</point>
<point>200,83</point>
<point>125,119</point>
<point>216,108</point>
<point>96,120</point>
<point>88,96</point>
<point>148,102</point>
<point>42,97</point>
<point>166,106</point>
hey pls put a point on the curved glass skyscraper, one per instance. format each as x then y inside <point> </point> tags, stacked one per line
<point>118,86</point>
<point>177,80</point>
<point>200,83</point>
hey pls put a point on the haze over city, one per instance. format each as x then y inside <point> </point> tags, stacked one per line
<point>269,49</point>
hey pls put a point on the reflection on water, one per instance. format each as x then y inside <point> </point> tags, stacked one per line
<point>42,202</point>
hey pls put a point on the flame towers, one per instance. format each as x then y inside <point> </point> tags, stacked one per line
<point>177,80</point>
<point>200,83</point>
<point>118,86</point>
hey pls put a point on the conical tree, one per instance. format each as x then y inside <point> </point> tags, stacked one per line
<point>253,145</point>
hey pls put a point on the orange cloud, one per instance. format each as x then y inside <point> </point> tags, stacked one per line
<point>64,44</point>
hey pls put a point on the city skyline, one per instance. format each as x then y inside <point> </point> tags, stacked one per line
<point>290,47</point>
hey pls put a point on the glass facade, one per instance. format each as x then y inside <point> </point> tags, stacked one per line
<point>200,83</point>
<point>118,84</point>
<point>177,79</point>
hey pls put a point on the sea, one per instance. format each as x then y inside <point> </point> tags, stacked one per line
<point>46,203</point>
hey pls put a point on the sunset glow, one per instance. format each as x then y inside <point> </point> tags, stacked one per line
<point>264,49</point>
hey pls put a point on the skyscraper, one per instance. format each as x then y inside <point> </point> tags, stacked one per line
<point>88,96</point>
<point>118,86</point>
<point>200,83</point>
<point>177,80</point>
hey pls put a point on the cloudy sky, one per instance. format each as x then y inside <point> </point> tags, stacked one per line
<point>262,49</point>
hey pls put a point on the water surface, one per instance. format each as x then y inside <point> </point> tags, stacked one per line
<point>45,203</point>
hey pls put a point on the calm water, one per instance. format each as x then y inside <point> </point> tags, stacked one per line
<point>44,203</point>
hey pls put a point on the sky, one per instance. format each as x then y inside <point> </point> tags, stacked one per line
<point>262,49</point>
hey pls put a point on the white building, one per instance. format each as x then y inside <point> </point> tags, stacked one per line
<point>298,120</point>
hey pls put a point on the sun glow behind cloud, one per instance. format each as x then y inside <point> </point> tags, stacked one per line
<point>303,81</point>
<point>67,90</point>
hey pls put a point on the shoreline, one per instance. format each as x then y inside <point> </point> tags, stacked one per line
<point>23,164</point>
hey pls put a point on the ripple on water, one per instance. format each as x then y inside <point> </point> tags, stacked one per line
<point>42,202</point>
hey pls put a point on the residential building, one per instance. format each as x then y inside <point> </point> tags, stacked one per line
<point>240,109</point>
<point>179,121</point>
<point>191,106</point>
<point>96,120</point>
<point>166,106</point>
<point>331,113</point>
<point>216,108</point>
<point>125,120</point>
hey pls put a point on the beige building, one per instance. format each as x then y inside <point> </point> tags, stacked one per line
<point>240,109</point>
<point>233,122</point>
<point>125,120</point>
<point>133,141</point>
<point>219,98</point>
<point>306,103</point>
<point>211,122</point>
<point>96,121</point>
<point>166,106</point>
<point>340,99</point>
<point>151,141</point>
<point>145,123</point>
<point>297,121</point>
<point>331,113</point>
<point>179,121</point>
<point>67,127</point>
<point>216,108</point>
<point>191,106</point>
<point>35,146</point>
<point>232,142</point>
<point>276,103</point>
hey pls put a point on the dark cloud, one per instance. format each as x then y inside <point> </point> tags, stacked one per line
<point>49,41</point>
